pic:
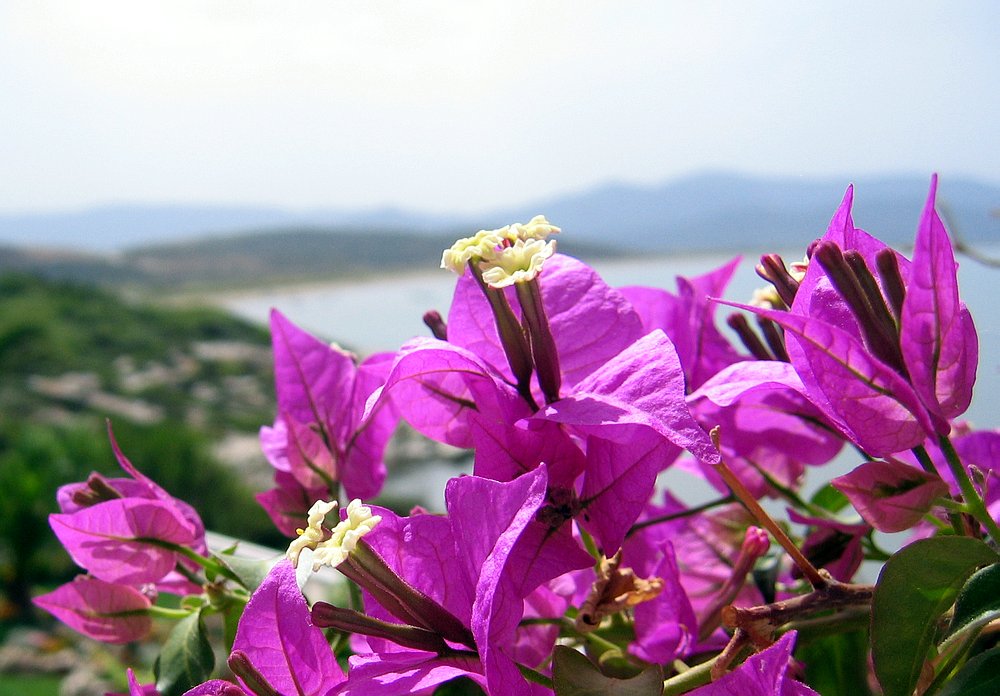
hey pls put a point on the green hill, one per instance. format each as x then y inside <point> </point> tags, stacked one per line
<point>253,259</point>
<point>185,389</point>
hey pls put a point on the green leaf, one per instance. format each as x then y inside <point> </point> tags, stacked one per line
<point>231,622</point>
<point>916,586</point>
<point>836,664</point>
<point>251,573</point>
<point>979,601</point>
<point>829,498</point>
<point>575,675</point>
<point>979,677</point>
<point>186,659</point>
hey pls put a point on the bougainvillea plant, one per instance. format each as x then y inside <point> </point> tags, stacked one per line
<point>560,565</point>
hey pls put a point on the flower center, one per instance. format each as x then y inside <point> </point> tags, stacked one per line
<point>332,549</point>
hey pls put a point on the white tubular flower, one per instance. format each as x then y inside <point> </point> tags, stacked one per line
<point>345,536</point>
<point>473,248</point>
<point>519,262</point>
<point>313,534</point>
<point>536,228</point>
<point>486,244</point>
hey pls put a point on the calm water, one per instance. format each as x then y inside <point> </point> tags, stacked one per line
<point>382,314</point>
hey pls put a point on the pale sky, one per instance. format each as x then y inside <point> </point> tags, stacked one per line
<point>464,106</point>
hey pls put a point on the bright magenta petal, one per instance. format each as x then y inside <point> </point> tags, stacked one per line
<point>891,496</point>
<point>644,384</point>
<point>436,386</point>
<point>763,674</point>
<point>110,539</point>
<point>665,627</point>
<point>937,336</point>
<point>876,408</point>
<point>404,673</point>
<point>100,610</point>
<point>590,321</point>
<point>688,319</point>
<point>279,639</point>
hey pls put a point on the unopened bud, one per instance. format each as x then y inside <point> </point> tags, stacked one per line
<point>98,490</point>
<point>240,665</point>
<point>437,325</point>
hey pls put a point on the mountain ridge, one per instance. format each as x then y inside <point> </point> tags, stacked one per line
<point>708,210</point>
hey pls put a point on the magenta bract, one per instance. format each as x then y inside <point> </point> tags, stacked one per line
<point>320,388</point>
<point>688,319</point>
<point>278,637</point>
<point>590,321</point>
<point>105,611</point>
<point>865,398</point>
<point>937,336</point>
<point>891,496</point>
<point>763,674</point>
<point>114,540</point>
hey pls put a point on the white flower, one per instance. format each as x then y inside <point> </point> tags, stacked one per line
<point>519,262</point>
<point>473,248</point>
<point>313,534</point>
<point>345,536</point>
<point>487,245</point>
<point>536,228</point>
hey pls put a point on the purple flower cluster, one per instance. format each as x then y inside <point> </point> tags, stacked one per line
<point>129,534</point>
<point>574,397</point>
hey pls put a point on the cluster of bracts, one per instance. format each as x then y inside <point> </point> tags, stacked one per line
<point>574,397</point>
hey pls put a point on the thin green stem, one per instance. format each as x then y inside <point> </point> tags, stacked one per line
<point>791,496</point>
<point>599,642</point>
<point>952,505</point>
<point>699,675</point>
<point>209,564</point>
<point>920,452</point>
<point>167,613</point>
<point>969,493</point>
<point>809,571</point>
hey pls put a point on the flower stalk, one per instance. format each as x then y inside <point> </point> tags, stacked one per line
<point>970,495</point>
<point>815,578</point>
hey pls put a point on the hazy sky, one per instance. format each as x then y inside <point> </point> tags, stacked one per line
<point>467,105</point>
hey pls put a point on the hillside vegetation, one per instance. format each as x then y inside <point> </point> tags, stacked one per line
<point>184,389</point>
<point>251,259</point>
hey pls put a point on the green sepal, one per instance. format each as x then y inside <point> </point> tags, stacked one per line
<point>830,499</point>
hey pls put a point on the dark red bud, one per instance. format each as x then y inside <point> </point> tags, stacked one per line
<point>437,325</point>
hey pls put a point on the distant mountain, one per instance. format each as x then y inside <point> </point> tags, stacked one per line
<point>252,259</point>
<point>125,226</point>
<point>720,211</point>
<point>732,212</point>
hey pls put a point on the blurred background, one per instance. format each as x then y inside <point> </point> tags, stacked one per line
<point>171,170</point>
